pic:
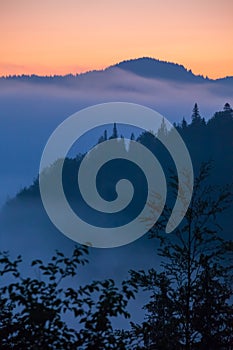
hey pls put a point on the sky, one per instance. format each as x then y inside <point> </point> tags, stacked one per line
<point>74,36</point>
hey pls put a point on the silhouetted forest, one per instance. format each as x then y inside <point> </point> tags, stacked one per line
<point>188,295</point>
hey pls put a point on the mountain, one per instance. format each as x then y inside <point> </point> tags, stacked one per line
<point>152,68</point>
<point>146,67</point>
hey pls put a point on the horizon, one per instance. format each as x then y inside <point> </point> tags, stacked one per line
<point>54,38</point>
<point>110,66</point>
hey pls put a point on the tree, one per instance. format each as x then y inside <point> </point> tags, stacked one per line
<point>114,132</point>
<point>184,123</point>
<point>132,137</point>
<point>197,120</point>
<point>162,131</point>
<point>227,107</point>
<point>191,300</point>
<point>212,314</point>
<point>160,330</point>
<point>195,115</point>
<point>33,310</point>
<point>105,135</point>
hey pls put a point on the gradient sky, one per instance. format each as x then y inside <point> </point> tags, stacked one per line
<point>62,36</point>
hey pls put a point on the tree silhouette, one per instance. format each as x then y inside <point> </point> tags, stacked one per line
<point>191,299</point>
<point>162,131</point>
<point>184,123</point>
<point>196,118</point>
<point>132,137</point>
<point>33,309</point>
<point>105,135</point>
<point>227,107</point>
<point>114,132</point>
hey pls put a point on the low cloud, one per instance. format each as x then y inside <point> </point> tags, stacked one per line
<point>31,108</point>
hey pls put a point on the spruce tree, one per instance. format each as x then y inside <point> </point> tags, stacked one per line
<point>114,132</point>
<point>196,118</point>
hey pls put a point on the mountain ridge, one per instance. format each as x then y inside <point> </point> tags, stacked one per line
<point>146,67</point>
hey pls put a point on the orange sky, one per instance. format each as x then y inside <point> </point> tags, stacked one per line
<point>62,36</point>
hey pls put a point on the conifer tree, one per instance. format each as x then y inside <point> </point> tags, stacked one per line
<point>114,132</point>
<point>227,107</point>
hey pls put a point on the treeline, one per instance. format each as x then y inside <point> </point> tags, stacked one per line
<point>206,141</point>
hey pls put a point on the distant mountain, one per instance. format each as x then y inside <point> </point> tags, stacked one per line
<point>225,81</point>
<point>153,68</point>
<point>144,67</point>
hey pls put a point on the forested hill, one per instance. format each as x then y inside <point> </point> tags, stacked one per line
<point>207,141</point>
<point>146,67</point>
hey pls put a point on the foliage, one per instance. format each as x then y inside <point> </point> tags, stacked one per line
<point>33,310</point>
<point>190,305</point>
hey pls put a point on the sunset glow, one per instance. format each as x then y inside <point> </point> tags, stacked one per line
<point>73,36</point>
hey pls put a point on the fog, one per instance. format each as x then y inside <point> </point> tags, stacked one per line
<point>31,110</point>
<point>29,113</point>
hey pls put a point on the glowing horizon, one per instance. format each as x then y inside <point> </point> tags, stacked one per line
<point>62,37</point>
<point>63,71</point>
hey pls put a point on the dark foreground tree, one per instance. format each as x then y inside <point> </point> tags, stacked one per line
<point>191,297</point>
<point>35,313</point>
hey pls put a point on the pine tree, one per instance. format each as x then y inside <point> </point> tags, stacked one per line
<point>132,137</point>
<point>114,132</point>
<point>162,131</point>
<point>184,124</point>
<point>227,107</point>
<point>105,135</point>
<point>196,118</point>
